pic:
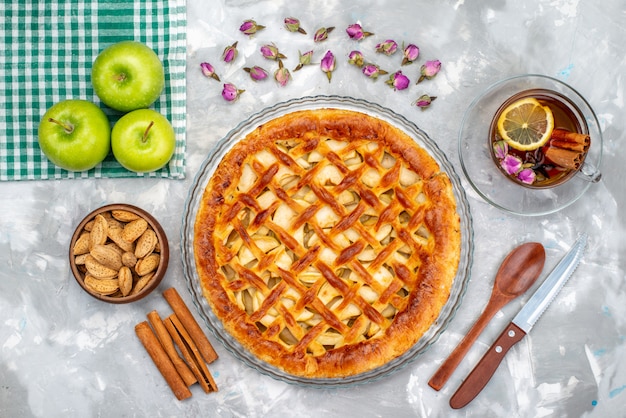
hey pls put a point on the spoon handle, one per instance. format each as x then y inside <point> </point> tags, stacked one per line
<point>449,366</point>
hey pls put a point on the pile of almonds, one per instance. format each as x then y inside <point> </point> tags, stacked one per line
<point>118,252</point>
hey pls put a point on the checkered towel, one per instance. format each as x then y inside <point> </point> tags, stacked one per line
<point>46,52</point>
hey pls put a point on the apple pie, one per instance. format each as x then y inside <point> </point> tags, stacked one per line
<point>326,242</point>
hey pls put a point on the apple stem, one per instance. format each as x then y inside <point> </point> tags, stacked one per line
<point>145,134</point>
<point>69,128</point>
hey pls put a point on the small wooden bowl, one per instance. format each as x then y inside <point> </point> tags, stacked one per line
<point>79,271</point>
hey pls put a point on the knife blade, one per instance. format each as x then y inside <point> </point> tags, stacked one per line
<point>521,324</point>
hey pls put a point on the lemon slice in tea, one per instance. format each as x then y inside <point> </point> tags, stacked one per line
<point>526,124</point>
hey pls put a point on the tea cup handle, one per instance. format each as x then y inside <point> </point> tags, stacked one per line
<point>589,173</point>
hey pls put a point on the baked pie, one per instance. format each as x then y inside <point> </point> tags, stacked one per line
<point>326,242</point>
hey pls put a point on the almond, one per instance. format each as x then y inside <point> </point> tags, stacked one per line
<point>146,243</point>
<point>80,259</point>
<point>97,270</point>
<point>125,279</point>
<point>134,229</point>
<point>99,232</point>
<point>129,259</point>
<point>124,215</point>
<point>103,287</point>
<point>107,256</point>
<point>81,246</point>
<point>147,264</point>
<point>141,283</point>
<point>115,234</point>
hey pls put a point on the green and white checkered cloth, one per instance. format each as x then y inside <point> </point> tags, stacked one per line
<point>46,52</point>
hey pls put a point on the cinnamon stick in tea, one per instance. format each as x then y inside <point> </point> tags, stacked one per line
<point>564,158</point>
<point>162,361</point>
<point>168,345</point>
<point>569,136</point>
<point>186,318</point>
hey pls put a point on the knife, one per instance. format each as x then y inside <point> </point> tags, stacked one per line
<point>519,326</point>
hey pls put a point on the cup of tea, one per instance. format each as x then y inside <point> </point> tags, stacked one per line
<point>533,174</point>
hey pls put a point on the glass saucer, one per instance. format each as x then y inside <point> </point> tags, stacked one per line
<point>487,179</point>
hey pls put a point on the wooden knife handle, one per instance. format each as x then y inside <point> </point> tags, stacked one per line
<point>486,367</point>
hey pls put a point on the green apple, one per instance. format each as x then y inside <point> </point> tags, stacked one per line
<point>75,135</point>
<point>128,75</point>
<point>143,140</point>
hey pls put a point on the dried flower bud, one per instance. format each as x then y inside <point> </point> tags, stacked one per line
<point>256,73</point>
<point>356,58</point>
<point>500,149</point>
<point>429,70</point>
<point>271,52</point>
<point>511,164</point>
<point>322,34</point>
<point>424,101</point>
<point>389,47</point>
<point>250,27</point>
<point>230,53</point>
<point>373,71</point>
<point>328,64</point>
<point>527,176</point>
<point>355,31</point>
<point>293,25</point>
<point>230,92</point>
<point>398,81</point>
<point>282,75</point>
<point>209,71</point>
<point>411,52</point>
<point>304,59</point>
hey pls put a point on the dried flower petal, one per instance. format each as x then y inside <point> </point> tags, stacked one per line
<point>230,92</point>
<point>424,101</point>
<point>356,32</point>
<point>411,52</point>
<point>256,73</point>
<point>271,52</point>
<point>373,71</point>
<point>500,149</point>
<point>398,81</point>
<point>209,71</point>
<point>429,70</point>
<point>389,47</point>
<point>230,53</point>
<point>511,164</point>
<point>293,25</point>
<point>250,27</point>
<point>304,59</point>
<point>356,58</point>
<point>328,64</point>
<point>282,74</point>
<point>322,34</point>
<point>527,176</point>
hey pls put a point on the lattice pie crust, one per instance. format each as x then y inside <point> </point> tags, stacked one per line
<point>327,242</point>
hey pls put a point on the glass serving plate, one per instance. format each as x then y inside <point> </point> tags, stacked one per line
<point>206,171</point>
<point>484,175</point>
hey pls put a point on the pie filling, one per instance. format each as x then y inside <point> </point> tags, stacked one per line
<point>327,242</point>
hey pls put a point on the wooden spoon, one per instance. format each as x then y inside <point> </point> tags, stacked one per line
<point>516,274</point>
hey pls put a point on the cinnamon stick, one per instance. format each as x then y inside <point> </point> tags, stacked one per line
<point>190,353</point>
<point>564,158</point>
<point>162,361</point>
<point>168,345</point>
<point>570,145</point>
<point>186,318</point>
<point>569,136</point>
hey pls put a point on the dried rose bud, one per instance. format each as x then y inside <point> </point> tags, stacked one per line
<point>271,52</point>
<point>322,34</point>
<point>500,149</point>
<point>256,73</point>
<point>328,64</point>
<point>230,92</point>
<point>250,27</point>
<point>398,81</point>
<point>230,53</point>
<point>527,176</point>
<point>389,47</point>
<point>429,70</point>
<point>282,74</point>
<point>373,71</point>
<point>355,31</point>
<point>304,59</point>
<point>411,52</point>
<point>209,71</point>
<point>356,58</point>
<point>293,25</point>
<point>424,101</point>
<point>511,164</point>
